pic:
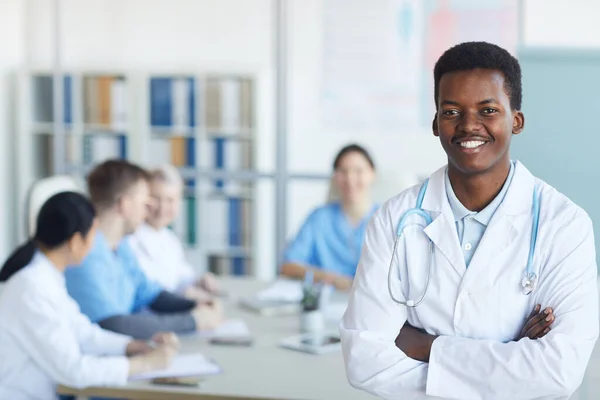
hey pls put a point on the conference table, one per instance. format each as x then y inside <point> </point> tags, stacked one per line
<point>258,372</point>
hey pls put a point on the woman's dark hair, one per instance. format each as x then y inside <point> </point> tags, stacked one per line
<point>352,148</point>
<point>62,216</point>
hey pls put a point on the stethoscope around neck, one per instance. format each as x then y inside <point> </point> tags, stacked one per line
<point>528,283</point>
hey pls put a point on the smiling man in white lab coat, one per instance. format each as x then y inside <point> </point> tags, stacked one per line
<point>476,335</point>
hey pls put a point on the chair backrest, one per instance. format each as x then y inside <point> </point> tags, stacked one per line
<point>41,191</point>
<point>386,186</point>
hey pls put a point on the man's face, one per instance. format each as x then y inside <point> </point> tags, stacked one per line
<point>474,120</point>
<point>134,205</point>
<point>165,204</point>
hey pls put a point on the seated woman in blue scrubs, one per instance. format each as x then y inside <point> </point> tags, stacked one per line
<point>330,240</point>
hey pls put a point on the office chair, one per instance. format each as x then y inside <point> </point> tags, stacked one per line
<point>41,191</point>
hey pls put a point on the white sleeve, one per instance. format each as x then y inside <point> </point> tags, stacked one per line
<point>372,322</point>
<point>55,348</point>
<point>185,271</point>
<point>549,367</point>
<point>97,341</point>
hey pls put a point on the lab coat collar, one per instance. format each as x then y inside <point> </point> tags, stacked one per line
<point>442,231</point>
<point>518,200</point>
<point>49,270</point>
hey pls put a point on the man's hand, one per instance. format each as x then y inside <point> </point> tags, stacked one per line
<point>197,294</point>
<point>414,342</point>
<point>209,283</point>
<point>167,339</point>
<point>538,323</point>
<point>208,315</point>
<point>137,347</point>
<point>342,283</point>
<point>155,359</point>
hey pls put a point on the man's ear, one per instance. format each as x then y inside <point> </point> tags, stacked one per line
<point>121,203</point>
<point>434,126</point>
<point>518,123</point>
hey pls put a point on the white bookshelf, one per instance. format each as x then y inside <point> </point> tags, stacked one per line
<point>37,129</point>
<point>219,143</point>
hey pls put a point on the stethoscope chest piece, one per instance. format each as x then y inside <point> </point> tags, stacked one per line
<point>528,283</point>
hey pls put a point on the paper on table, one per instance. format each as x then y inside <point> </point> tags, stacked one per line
<point>282,290</point>
<point>183,365</point>
<point>230,328</point>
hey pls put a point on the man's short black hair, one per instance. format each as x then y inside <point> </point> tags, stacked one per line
<point>471,55</point>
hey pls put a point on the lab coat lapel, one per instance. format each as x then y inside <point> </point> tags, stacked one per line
<point>442,230</point>
<point>505,226</point>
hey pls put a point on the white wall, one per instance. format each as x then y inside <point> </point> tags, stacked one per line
<point>560,23</point>
<point>312,146</point>
<point>156,34</point>
<point>188,34</point>
<point>12,54</point>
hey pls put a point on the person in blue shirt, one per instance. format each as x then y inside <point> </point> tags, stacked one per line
<point>109,285</point>
<point>330,239</point>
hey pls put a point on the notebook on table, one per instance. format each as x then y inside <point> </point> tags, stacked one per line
<point>182,366</point>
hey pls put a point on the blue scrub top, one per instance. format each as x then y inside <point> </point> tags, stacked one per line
<point>110,282</point>
<point>328,241</point>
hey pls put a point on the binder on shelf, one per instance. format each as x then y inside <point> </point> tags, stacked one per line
<point>118,104</point>
<point>178,151</point>
<point>105,103</point>
<point>219,159</point>
<point>190,201</point>
<point>44,153</point>
<point>190,161</point>
<point>235,233</point>
<point>213,104</point>
<point>230,106</point>
<point>104,98</point>
<point>68,99</point>
<point>246,100</point>
<point>173,103</point>
<point>90,100</point>
<point>43,98</point>
<point>238,155</point>
<point>214,222</point>
<point>101,147</point>
<point>160,102</point>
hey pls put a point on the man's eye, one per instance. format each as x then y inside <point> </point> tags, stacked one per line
<point>450,112</point>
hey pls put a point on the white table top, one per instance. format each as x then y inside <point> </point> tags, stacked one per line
<point>262,371</point>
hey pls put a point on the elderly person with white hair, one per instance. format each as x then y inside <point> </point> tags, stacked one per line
<point>159,251</point>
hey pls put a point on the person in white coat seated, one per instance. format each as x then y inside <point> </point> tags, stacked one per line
<point>157,248</point>
<point>44,338</point>
<point>481,322</point>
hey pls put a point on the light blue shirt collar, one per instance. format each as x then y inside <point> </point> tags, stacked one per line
<point>484,216</point>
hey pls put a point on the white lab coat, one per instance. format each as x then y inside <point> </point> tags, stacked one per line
<point>161,256</point>
<point>45,340</point>
<point>476,311</point>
